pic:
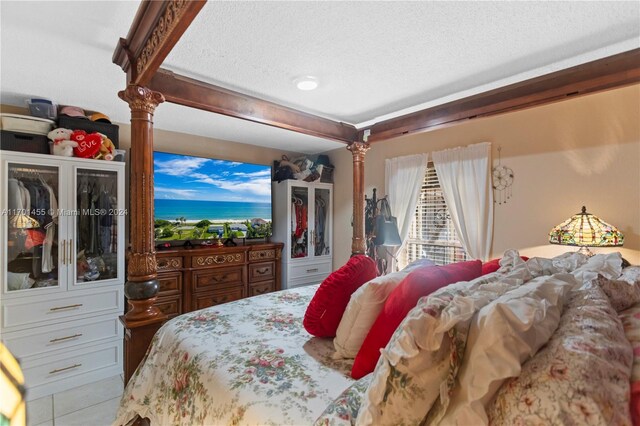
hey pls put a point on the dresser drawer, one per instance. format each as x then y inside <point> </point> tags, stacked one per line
<point>169,283</point>
<point>262,271</point>
<point>258,255</point>
<point>222,259</point>
<point>73,365</point>
<point>169,263</point>
<point>262,288</point>
<point>39,340</point>
<point>31,312</point>
<point>217,278</point>
<point>300,271</point>
<point>170,306</point>
<point>201,301</point>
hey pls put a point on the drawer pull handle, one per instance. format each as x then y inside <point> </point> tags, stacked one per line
<point>58,370</point>
<point>312,270</point>
<point>59,308</point>
<point>163,264</point>
<point>60,339</point>
<point>218,279</point>
<point>262,271</point>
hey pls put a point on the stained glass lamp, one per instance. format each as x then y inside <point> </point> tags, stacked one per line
<point>12,406</point>
<point>585,230</point>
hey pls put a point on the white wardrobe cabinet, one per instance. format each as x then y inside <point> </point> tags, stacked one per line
<point>62,253</point>
<point>303,220</point>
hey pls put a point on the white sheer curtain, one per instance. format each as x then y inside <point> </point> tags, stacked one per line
<point>464,174</point>
<point>403,180</point>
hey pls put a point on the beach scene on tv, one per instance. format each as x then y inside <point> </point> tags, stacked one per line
<point>207,199</point>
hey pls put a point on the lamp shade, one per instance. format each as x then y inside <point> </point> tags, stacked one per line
<point>586,230</point>
<point>23,221</point>
<point>12,405</point>
<point>387,232</point>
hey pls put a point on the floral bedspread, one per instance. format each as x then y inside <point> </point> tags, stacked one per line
<point>245,362</point>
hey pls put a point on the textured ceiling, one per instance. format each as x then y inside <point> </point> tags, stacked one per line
<point>374,60</point>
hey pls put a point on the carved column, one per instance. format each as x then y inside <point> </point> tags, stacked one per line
<point>143,319</point>
<point>358,243</point>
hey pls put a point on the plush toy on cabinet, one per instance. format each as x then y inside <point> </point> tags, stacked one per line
<point>62,143</point>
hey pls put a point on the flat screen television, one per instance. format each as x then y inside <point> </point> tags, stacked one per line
<point>200,198</point>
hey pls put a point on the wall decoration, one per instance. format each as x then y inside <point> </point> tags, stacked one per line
<point>502,181</point>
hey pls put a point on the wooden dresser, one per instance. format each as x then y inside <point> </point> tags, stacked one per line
<point>199,277</point>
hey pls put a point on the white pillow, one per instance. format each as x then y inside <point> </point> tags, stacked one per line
<point>502,336</point>
<point>363,309</point>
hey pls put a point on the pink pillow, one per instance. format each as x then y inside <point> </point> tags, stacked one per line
<point>419,283</point>
<point>330,301</point>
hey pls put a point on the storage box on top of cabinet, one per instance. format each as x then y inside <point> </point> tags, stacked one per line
<point>62,251</point>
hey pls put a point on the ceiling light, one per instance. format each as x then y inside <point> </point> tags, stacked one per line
<point>306,83</point>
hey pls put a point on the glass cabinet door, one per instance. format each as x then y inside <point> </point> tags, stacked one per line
<point>35,256</point>
<point>96,230</point>
<point>322,227</point>
<point>299,222</point>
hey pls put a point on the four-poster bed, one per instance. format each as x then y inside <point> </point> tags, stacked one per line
<point>157,28</point>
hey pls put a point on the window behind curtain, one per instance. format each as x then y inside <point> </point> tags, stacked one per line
<point>431,233</point>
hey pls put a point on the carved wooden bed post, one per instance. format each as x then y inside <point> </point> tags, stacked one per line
<point>143,319</point>
<point>358,243</point>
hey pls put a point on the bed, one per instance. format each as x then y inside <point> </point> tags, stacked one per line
<point>252,362</point>
<point>248,362</point>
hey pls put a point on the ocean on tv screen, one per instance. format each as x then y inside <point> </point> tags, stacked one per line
<point>201,220</point>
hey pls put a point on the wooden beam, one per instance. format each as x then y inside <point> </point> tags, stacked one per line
<point>603,74</point>
<point>196,94</point>
<point>156,28</point>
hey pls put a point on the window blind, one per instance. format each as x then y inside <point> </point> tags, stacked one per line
<point>431,233</point>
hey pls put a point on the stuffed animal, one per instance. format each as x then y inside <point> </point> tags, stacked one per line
<point>88,144</point>
<point>62,145</point>
<point>107,149</point>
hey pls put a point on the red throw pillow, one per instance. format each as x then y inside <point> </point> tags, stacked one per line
<point>332,297</point>
<point>402,299</point>
<point>494,264</point>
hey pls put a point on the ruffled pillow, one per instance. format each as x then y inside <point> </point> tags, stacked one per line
<point>631,322</point>
<point>502,336</point>
<point>621,294</point>
<point>422,356</point>
<point>580,377</point>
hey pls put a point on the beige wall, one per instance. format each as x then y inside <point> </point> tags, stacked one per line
<point>583,151</point>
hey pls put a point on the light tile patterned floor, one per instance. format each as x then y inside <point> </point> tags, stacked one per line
<point>94,404</point>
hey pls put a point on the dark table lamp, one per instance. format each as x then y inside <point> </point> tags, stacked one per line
<point>585,230</point>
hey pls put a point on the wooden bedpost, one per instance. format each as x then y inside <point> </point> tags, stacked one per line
<point>358,242</point>
<point>143,319</point>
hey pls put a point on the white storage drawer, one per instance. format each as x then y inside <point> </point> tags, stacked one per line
<point>313,269</point>
<point>71,368</point>
<point>24,312</point>
<point>40,340</point>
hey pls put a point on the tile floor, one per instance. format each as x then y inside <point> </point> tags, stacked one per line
<point>94,404</point>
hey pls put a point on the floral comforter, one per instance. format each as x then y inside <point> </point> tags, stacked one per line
<point>245,362</point>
